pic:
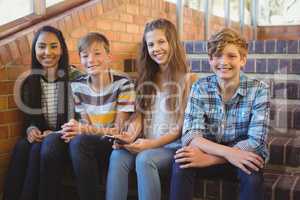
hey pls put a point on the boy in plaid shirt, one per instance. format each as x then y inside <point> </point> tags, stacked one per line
<point>225,124</point>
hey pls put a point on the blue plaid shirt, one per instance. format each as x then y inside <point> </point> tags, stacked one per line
<point>241,122</point>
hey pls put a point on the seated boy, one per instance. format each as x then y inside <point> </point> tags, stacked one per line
<point>104,99</point>
<point>225,124</point>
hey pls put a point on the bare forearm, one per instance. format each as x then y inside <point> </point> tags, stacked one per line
<point>210,147</point>
<point>165,139</point>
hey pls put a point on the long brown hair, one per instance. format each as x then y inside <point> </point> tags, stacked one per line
<point>148,68</point>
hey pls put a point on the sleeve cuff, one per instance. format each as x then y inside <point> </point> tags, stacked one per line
<point>30,128</point>
<point>243,145</point>
<point>189,136</point>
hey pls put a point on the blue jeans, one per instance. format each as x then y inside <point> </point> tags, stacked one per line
<point>54,155</point>
<point>89,155</point>
<point>149,164</point>
<point>22,178</point>
<point>182,182</point>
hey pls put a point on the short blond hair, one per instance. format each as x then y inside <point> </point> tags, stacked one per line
<point>218,41</point>
<point>86,41</point>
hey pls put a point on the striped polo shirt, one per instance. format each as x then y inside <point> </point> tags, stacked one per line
<point>101,106</point>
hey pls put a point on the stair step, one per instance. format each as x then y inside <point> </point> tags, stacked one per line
<point>284,150</point>
<point>254,47</point>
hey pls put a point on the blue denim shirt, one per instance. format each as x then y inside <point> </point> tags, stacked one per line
<point>241,122</point>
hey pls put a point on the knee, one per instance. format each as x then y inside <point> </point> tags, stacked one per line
<point>144,161</point>
<point>51,145</point>
<point>255,179</point>
<point>118,160</point>
<point>76,145</point>
<point>176,170</point>
<point>21,149</point>
<point>22,146</point>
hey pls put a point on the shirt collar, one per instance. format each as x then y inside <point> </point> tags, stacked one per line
<point>242,89</point>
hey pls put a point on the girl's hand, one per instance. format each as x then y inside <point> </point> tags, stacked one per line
<point>71,129</point>
<point>244,160</point>
<point>139,145</point>
<point>122,139</point>
<point>34,135</point>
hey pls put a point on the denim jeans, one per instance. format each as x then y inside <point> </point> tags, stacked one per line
<point>182,182</point>
<point>22,178</point>
<point>54,155</point>
<point>149,164</point>
<point>89,155</point>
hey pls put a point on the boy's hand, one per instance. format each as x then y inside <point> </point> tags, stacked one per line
<point>34,135</point>
<point>46,133</point>
<point>139,145</point>
<point>190,156</point>
<point>244,160</point>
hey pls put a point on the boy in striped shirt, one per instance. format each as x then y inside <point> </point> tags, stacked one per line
<point>104,100</point>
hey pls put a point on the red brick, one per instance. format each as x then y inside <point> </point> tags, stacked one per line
<point>4,88</point>
<point>111,16</point>
<point>4,131</point>
<point>75,19</point>
<point>79,32</point>
<point>94,12</point>
<point>126,18</point>
<point>125,37</point>
<point>30,37</point>
<point>104,24</point>
<point>132,28</point>
<point>11,116</point>
<point>91,24</point>
<point>137,38</point>
<point>6,146</point>
<point>118,26</point>
<point>105,6</point>
<point>144,11</point>
<point>82,17</point>
<point>72,44</point>
<point>3,102</point>
<point>123,47</point>
<point>88,13</point>
<point>15,52</point>
<point>11,102</point>
<point>140,20</point>
<point>26,59</point>
<point>23,45</point>
<point>74,57</point>
<point>5,55</point>
<point>4,160</point>
<point>3,73</point>
<point>99,9</point>
<point>14,72</point>
<point>112,36</point>
<point>62,27</point>
<point>16,130</point>
<point>132,9</point>
<point>69,23</point>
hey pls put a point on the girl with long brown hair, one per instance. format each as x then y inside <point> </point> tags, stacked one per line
<point>161,89</point>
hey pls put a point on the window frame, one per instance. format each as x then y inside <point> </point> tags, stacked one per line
<point>33,18</point>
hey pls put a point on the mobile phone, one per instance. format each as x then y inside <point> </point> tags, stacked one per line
<point>111,138</point>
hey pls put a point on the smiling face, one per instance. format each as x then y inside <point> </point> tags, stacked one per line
<point>95,59</point>
<point>48,50</point>
<point>228,63</point>
<point>158,47</point>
